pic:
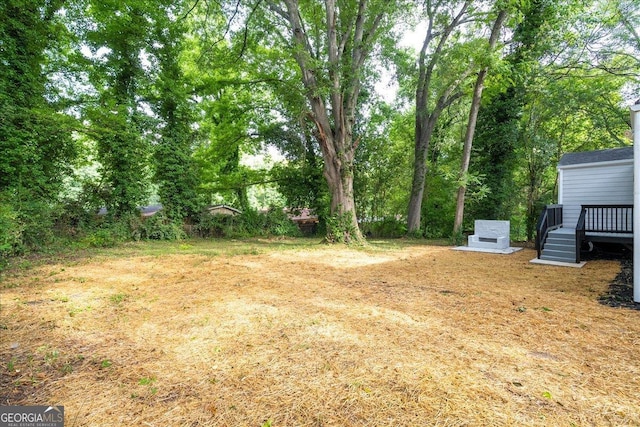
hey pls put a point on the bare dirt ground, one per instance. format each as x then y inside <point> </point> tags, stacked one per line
<point>315,335</point>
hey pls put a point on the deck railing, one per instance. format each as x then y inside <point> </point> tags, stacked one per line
<point>550,219</point>
<point>614,219</point>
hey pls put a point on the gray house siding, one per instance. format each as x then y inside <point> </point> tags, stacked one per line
<point>594,184</point>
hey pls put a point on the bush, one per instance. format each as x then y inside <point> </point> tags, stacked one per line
<point>208,225</point>
<point>24,224</point>
<point>275,222</point>
<point>101,238</point>
<point>159,227</point>
<point>37,218</point>
<point>11,229</point>
<point>27,222</point>
<point>111,233</point>
<point>388,227</point>
<point>73,218</point>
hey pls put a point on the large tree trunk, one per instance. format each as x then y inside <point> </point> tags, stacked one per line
<point>344,225</point>
<point>471,126</point>
<point>424,130</point>
<point>338,170</point>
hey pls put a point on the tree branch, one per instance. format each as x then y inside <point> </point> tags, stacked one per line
<point>195,4</point>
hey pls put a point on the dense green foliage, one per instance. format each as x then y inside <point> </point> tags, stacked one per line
<point>36,147</point>
<point>117,105</point>
<point>499,121</point>
<point>175,170</point>
<point>117,75</point>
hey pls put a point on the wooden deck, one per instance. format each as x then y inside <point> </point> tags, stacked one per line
<point>596,224</point>
<point>604,237</point>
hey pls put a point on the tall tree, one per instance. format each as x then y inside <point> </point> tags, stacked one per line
<point>230,103</point>
<point>498,128</point>
<point>433,94</point>
<point>471,124</point>
<point>175,171</point>
<point>118,40</point>
<point>332,71</point>
<point>36,147</point>
<point>35,140</point>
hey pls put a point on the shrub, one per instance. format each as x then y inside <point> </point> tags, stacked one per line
<point>112,232</point>
<point>278,223</point>
<point>73,218</point>
<point>389,227</point>
<point>339,228</point>
<point>11,229</point>
<point>159,227</point>
<point>37,218</point>
<point>101,238</point>
<point>275,222</point>
<point>208,225</point>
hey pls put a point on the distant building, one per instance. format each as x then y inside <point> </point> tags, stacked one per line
<point>222,210</point>
<point>306,220</point>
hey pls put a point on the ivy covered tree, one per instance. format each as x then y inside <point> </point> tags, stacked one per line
<point>498,131</point>
<point>175,168</point>
<point>35,140</point>
<point>36,148</point>
<point>118,37</point>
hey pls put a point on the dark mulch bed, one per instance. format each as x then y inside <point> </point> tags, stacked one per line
<point>620,292</point>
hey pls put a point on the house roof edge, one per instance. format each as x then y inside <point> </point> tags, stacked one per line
<point>599,157</point>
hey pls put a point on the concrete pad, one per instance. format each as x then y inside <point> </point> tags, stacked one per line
<point>505,251</point>
<point>558,263</point>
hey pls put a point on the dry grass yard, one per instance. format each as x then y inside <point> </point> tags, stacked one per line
<point>295,333</point>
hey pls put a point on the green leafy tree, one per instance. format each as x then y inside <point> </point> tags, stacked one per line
<point>576,113</point>
<point>383,169</point>
<point>175,169</point>
<point>498,129</point>
<point>226,138</point>
<point>118,40</point>
<point>35,138</point>
<point>441,73</point>
<point>230,104</point>
<point>299,178</point>
<point>331,44</point>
